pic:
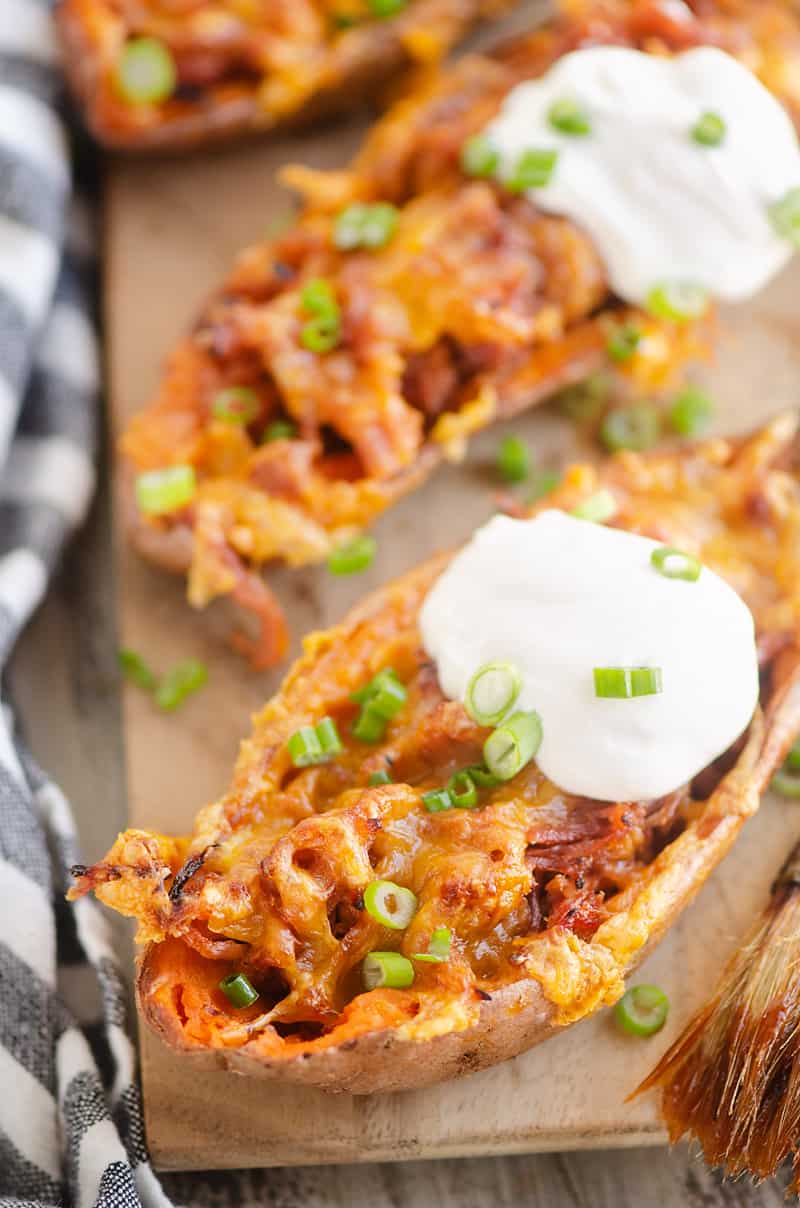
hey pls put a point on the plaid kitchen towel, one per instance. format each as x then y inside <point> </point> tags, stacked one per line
<point>70,1122</point>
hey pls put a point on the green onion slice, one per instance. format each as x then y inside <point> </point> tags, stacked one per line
<point>542,483</point>
<point>173,688</point>
<point>513,745</point>
<point>637,427</point>
<point>387,8</point>
<point>314,744</point>
<point>239,990</point>
<point>626,682</point>
<point>793,758</point>
<point>482,777</point>
<point>328,735</point>
<point>437,800</point>
<point>675,564</point>
<point>354,556</point>
<point>389,904</point>
<point>390,969</point>
<point>710,129</point>
<point>321,334</point>
<point>598,508</point>
<point>317,297</point>
<point>568,116</point>
<point>385,693</point>
<point>478,157</point>
<point>366,226</point>
<point>784,215</point>
<point>513,459</point>
<point>623,341</point>
<point>279,429</point>
<point>167,490</point>
<point>369,726</point>
<point>438,947</point>
<point>786,783</point>
<point>642,1010</point>
<point>462,790</point>
<point>380,777</point>
<point>533,170</point>
<point>491,692</point>
<point>678,301</point>
<point>145,72</point>
<point>236,405</point>
<point>691,412</point>
<point>135,669</point>
<point>584,401</point>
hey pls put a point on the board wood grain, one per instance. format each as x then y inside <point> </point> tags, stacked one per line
<point>172,230</point>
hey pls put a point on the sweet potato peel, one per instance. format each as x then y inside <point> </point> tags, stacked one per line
<point>551,899</point>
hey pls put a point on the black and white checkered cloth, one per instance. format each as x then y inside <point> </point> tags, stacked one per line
<point>70,1122</point>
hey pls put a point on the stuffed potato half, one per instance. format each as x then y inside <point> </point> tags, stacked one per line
<point>550,899</point>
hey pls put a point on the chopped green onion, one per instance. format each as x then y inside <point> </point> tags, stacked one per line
<point>381,777</point>
<point>321,334</point>
<point>678,301</point>
<point>786,783</point>
<point>387,8</point>
<point>784,215</point>
<point>542,483</point>
<point>637,427</point>
<point>513,745</point>
<point>569,117</point>
<point>491,692</point>
<point>135,669</point>
<point>692,412</point>
<point>279,429</point>
<point>381,700</point>
<point>793,758</point>
<point>438,947</point>
<point>483,777</point>
<point>642,1010</point>
<point>239,990</point>
<point>390,969</point>
<point>532,170</point>
<point>623,341</point>
<point>389,904</point>
<point>478,157</point>
<point>314,744</point>
<point>354,556</point>
<point>145,73</point>
<point>317,297</point>
<point>369,226</point>
<point>462,790</point>
<point>174,687</point>
<point>598,508</point>
<point>626,682</point>
<point>369,726</point>
<point>345,20</point>
<point>513,459</point>
<point>583,401</point>
<point>437,800</point>
<point>236,405</point>
<point>710,129</point>
<point>161,491</point>
<point>674,564</point>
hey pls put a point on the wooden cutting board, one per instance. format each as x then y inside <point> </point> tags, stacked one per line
<point>172,230</point>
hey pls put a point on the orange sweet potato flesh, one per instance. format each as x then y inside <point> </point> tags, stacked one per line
<point>550,899</point>
<point>478,307</point>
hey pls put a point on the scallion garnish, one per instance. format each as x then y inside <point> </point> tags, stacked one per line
<point>513,744</point>
<point>691,412</point>
<point>381,777</point>
<point>532,170</point>
<point>462,790</point>
<point>174,687</point>
<point>542,483</point>
<point>389,904</point>
<point>279,429</point>
<point>167,490</point>
<point>438,947</point>
<point>623,683</point>
<point>491,692</point>
<point>636,427</point>
<point>710,129</point>
<point>353,556</point>
<point>381,700</point>
<point>786,781</point>
<point>135,669</point>
<point>793,758</point>
<point>386,8</point>
<point>437,800</point>
<point>678,301</point>
<point>674,564</point>
<point>642,1010</point>
<point>568,116</point>
<point>478,157</point>
<point>236,405</point>
<point>598,508</point>
<point>323,331</point>
<point>784,214</point>
<point>390,969</point>
<point>583,401</point>
<point>314,744</point>
<point>623,341</point>
<point>513,459</point>
<point>365,226</point>
<point>483,777</point>
<point>145,73</point>
<point>239,990</point>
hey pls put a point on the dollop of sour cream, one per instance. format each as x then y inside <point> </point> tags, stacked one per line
<point>657,204</point>
<point>557,597</point>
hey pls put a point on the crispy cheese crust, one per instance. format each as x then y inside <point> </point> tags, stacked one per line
<point>478,306</point>
<point>249,65</point>
<point>551,899</point>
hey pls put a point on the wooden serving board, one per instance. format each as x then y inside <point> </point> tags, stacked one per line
<point>173,228</point>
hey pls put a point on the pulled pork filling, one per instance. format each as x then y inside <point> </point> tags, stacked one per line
<point>272,880</point>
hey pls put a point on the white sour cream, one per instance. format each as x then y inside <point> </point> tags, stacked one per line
<point>558,597</point>
<point>658,205</point>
